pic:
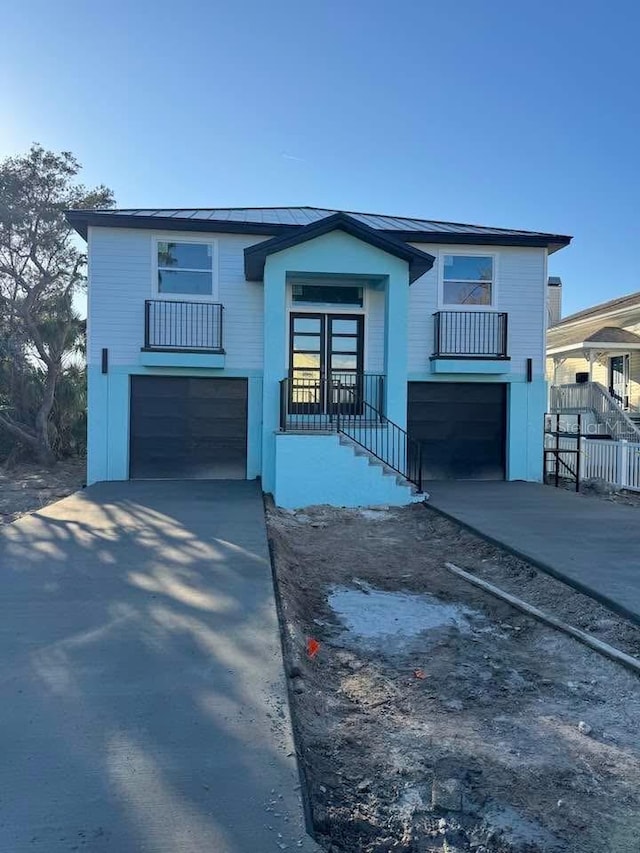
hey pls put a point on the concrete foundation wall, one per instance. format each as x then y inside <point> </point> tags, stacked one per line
<point>318,469</point>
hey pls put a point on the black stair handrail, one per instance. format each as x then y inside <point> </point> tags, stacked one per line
<point>395,449</point>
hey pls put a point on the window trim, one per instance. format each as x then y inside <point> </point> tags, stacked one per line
<point>185,297</point>
<point>458,306</point>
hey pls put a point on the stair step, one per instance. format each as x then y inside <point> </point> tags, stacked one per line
<point>386,470</point>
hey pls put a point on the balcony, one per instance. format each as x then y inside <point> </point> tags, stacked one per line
<point>470,342</point>
<point>182,334</point>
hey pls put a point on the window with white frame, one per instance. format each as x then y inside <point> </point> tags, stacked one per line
<point>467,280</point>
<point>185,268</point>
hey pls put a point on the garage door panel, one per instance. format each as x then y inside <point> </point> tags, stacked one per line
<point>218,409</point>
<point>157,425</point>
<point>221,389</point>
<point>187,427</point>
<point>461,427</point>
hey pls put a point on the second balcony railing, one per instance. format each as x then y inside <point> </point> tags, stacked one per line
<point>470,334</point>
<point>187,326</point>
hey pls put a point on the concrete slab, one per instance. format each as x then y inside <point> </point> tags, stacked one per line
<point>593,545</point>
<point>144,700</point>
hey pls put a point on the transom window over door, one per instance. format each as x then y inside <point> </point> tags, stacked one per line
<point>467,280</point>
<point>185,268</point>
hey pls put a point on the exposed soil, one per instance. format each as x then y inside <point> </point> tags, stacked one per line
<point>599,489</point>
<point>27,488</point>
<point>435,717</point>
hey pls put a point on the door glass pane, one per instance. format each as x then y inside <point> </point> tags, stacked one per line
<point>306,342</point>
<point>305,387</point>
<point>344,362</point>
<point>344,344</point>
<point>307,324</point>
<point>344,327</point>
<point>309,360</point>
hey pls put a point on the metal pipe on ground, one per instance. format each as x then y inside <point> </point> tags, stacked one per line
<point>605,649</point>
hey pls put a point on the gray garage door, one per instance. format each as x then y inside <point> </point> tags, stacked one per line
<point>186,428</point>
<point>461,427</point>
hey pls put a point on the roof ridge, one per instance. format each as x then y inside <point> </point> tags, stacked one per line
<point>584,313</point>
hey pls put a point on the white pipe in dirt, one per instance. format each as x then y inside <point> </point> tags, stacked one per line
<point>588,639</point>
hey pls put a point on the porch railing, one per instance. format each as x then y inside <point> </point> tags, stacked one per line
<point>593,397</point>
<point>470,334</point>
<point>351,405</point>
<point>180,325</point>
<point>313,404</point>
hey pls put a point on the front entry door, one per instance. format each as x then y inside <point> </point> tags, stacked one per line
<point>326,361</point>
<point>619,379</point>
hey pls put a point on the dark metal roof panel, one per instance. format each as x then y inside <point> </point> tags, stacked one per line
<point>306,215</point>
<point>279,220</point>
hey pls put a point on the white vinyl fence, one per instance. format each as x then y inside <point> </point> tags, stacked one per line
<point>616,462</point>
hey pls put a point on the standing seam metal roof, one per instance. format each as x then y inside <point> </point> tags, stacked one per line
<point>306,215</point>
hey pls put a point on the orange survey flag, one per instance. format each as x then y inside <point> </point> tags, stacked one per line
<point>313,647</point>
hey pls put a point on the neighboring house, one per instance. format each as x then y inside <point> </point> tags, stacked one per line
<point>593,365</point>
<point>343,358</point>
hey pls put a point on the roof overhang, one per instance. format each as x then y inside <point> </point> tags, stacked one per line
<point>592,346</point>
<point>81,220</point>
<point>255,256</point>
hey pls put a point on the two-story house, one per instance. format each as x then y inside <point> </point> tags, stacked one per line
<point>343,358</point>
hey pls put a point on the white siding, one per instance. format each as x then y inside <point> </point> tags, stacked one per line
<point>521,291</point>
<point>121,278</point>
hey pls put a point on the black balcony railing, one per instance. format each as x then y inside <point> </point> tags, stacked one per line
<point>186,326</point>
<point>470,334</point>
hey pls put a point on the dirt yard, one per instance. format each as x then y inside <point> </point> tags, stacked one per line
<point>435,717</point>
<point>26,488</point>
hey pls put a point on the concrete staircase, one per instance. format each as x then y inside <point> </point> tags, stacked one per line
<point>411,491</point>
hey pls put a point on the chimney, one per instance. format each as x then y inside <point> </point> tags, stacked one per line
<point>554,300</point>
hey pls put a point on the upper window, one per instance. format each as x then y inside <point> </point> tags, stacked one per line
<point>185,268</point>
<point>327,293</point>
<point>467,280</point>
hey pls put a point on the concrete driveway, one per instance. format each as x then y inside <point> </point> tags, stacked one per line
<point>591,544</point>
<point>143,696</point>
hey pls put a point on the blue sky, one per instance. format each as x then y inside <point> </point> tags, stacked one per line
<point>501,113</point>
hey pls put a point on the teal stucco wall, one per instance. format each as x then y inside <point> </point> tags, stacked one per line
<point>318,469</point>
<point>340,254</point>
<point>108,421</point>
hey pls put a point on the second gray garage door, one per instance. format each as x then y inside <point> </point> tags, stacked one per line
<point>188,428</point>
<point>461,427</point>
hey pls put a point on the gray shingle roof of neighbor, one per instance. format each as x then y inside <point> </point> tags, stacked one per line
<point>614,335</point>
<point>554,281</point>
<point>559,336</point>
<point>280,220</point>
<point>632,300</point>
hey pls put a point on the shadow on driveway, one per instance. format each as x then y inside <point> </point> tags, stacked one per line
<point>144,702</point>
